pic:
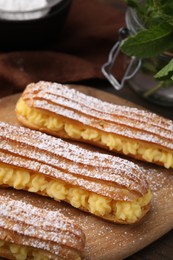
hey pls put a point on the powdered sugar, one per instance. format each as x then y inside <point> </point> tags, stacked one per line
<point>17,9</point>
<point>54,157</point>
<point>126,121</point>
<point>37,227</point>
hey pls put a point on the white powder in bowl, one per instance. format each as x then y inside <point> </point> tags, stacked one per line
<point>21,5</point>
<point>14,7</point>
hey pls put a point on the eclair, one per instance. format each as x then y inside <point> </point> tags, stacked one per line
<point>28,231</point>
<point>64,112</point>
<point>103,185</point>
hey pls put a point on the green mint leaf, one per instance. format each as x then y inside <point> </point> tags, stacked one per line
<point>150,42</point>
<point>166,72</point>
<point>167,7</point>
<point>168,18</point>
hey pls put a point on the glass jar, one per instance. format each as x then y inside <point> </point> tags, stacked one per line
<point>143,82</point>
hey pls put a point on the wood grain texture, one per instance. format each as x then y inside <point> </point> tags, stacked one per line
<point>112,241</point>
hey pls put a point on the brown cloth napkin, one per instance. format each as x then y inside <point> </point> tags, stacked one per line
<point>90,31</point>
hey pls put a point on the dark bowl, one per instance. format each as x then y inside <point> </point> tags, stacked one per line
<point>34,33</point>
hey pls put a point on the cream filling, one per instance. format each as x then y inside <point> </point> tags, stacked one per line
<point>21,252</point>
<point>112,141</point>
<point>123,211</point>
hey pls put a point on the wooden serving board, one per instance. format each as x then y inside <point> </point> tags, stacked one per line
<point>109,241</point>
